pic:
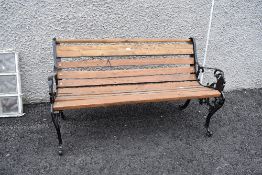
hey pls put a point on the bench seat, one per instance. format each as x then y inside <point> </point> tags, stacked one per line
<point>83,97</point>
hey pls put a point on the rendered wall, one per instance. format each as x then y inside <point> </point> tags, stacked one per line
<point>235,40</point>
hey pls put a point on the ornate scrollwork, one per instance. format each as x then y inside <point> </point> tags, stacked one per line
<point>217,102</point>
<point>218,74</point>
<point>52,93</point>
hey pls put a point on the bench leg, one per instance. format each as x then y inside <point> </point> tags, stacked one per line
<point>217,104</point>
<point>182,107</point>
<point>62,115</point>
<point>55,119</point>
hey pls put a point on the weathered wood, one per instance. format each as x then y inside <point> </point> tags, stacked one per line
<point>136,92</point>
<point>123,50</point>
<point>148,96</point>
<point>121,40</point>
<point>78,89</point>
<point>126,80</point>
<point>124,62</point>
<point>123,73</point>
<point>126,88</point>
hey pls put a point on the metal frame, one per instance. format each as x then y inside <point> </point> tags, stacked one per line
<point>52,83</point>
<point>18,87</point>
<point>214,103</point>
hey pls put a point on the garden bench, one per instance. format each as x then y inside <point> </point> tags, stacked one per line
<point>103,72</point>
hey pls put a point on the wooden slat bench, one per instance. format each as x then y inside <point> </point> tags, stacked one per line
<point>103,72</point>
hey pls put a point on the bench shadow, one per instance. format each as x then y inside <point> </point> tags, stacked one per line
<point>125,124</point>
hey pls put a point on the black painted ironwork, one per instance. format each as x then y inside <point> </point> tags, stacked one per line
<point>55,116</point>
<point>53,81</point>
<point>62,115</point>
<point>182,107</point>
<point>55,119</point>
<point>52,93</point>
<point>214,103</point>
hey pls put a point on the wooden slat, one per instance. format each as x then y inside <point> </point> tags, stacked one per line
<point>135,92</point>
<point>121,40</point>
<point>120,94</point>
<point>134,98</point>
<point>123,73</point>
<point>124,62</point>
<point>125,88</point>
<point>123,50</point>
<point>125,80</point>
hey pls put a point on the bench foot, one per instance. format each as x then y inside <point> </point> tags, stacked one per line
<point>60,150</point>
<point>182,107</point>
<point>55,119</point>
<point>209,133</point>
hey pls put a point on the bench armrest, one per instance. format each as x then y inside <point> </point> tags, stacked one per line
<point>218,73</point>
<point>51,84</point>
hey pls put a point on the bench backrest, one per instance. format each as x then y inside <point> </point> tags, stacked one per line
<point>136,61</point>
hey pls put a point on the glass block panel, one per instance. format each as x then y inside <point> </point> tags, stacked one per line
<point>8,105</point>
<point>7,63</point>
<point>8,84</point>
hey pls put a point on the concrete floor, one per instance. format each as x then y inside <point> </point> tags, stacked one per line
<point>153,138</point>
